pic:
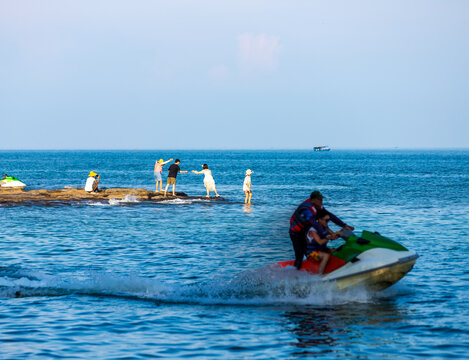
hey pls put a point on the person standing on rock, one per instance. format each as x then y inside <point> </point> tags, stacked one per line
<point>92,182</point>
<point>209,183</point>
<point>158,171</point>
<point>173,171</point>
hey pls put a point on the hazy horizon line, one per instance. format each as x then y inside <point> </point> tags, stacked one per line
<point>239,149</point>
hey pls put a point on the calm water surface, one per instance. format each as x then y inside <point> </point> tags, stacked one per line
<point>190,279</point>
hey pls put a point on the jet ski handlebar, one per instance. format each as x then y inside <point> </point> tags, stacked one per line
<point>346,234</point>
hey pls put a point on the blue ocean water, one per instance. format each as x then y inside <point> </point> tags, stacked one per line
<point>190,278</point>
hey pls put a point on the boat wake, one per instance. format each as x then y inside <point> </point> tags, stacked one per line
<point>268,286</point>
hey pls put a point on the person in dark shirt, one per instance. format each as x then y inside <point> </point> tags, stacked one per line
<point>173,171</point>
<point>302,219</point>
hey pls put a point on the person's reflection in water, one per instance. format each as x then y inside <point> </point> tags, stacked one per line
<point>325,330</point>
<point>247,208</point>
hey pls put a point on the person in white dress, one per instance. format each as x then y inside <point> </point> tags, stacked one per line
<point>209,183</point>
<point>247,186</point>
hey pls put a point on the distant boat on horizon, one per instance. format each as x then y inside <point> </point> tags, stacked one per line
<point>322,148</point>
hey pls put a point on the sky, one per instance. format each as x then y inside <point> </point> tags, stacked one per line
<point>234,74</point>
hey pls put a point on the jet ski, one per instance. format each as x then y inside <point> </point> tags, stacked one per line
<point>371,260</point>
<point>11,182</point>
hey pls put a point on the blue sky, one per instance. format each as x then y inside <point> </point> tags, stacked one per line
<point>234,74</point>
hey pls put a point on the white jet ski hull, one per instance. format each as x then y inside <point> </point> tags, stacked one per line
<point>12,184</point>
<point>376,269</point>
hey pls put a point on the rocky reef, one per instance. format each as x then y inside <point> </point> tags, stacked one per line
<point>66,196</point>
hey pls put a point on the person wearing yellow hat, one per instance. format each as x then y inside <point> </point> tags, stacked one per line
<point>247,186</point>
<point>92,182</point>
<point>157,172</point>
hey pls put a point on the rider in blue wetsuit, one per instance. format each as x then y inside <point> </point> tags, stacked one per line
<point>302,219</point>
<point>317,237</point>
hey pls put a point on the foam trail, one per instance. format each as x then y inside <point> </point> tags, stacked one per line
<point>267,286</point>
<point>271,285</point>
<point>95,284</point>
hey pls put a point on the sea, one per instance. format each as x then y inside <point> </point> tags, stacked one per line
<point>194,278</point>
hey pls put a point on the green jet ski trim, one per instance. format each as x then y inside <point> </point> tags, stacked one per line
<point>355,245</point>
<point>11,178</point>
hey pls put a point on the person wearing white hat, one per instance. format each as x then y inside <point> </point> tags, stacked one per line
<point>247,186</point>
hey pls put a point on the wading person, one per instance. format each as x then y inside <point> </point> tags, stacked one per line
<point>303,218</point>
<point>173,171</point>
<point>247,187</point>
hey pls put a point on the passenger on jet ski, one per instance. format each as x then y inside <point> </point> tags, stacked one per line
<point>317,237</point>
<point>303,218</point>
